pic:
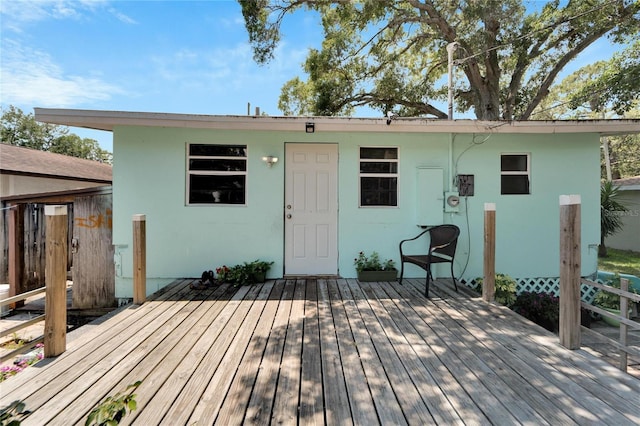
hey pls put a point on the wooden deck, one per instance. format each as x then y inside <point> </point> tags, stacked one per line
<point>325,352</point>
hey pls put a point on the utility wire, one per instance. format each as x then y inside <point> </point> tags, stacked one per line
<point>580,99</point>
<point>595,9</point>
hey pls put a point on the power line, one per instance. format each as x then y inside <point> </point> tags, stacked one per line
<point>460,61</point>
<point>580,99</point>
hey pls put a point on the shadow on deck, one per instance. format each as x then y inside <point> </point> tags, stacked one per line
<point>325,351</point>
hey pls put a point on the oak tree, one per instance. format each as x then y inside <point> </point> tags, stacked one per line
<point>392,55</point>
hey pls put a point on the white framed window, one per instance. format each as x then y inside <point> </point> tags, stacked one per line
<point>515,173</point>
<point>216,174</point>
<point>378,176</point>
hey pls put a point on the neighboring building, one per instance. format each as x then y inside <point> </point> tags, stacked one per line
<point>30,171</point>
<point>628,238</point>
<point>213,194</point>
<point>30,179</point>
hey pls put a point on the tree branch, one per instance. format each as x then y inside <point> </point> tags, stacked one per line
<point>543,90</point>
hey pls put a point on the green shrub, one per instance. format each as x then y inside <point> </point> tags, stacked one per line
<point>505,289</point>
<point>372,263</point>
<point>541,308</point>
<point>606,299</point>
<point>114,408</point>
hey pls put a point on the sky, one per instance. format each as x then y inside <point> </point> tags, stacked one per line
<point>155,56</point>
<point>188,57</point>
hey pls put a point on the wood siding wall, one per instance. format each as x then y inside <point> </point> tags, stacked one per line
<point>90,249</point>
<point>34,245</point>
<point>93,272</point>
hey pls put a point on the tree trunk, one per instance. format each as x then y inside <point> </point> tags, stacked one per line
<point>602,249</point>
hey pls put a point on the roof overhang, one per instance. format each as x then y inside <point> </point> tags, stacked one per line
<point>108,120</point>
<point>67,196</point>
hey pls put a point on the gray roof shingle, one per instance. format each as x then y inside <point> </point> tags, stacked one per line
<point>25,161</point>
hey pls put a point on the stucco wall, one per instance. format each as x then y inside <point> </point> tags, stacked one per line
<point>182,241</point>
<point>628,238</point>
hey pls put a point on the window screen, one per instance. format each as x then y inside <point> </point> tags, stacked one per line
<point>378,176</point>
<point>514,174</point>
<point>216,174</point>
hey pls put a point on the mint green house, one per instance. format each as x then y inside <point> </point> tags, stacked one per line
<point>309,193</point>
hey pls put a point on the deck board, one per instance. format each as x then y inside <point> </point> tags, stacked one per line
<point>285,405</point>
<point>358,394</point>
<point>333,377</point>
<point>585,386</point>
<point>264,389</point>
<point>325,351</point>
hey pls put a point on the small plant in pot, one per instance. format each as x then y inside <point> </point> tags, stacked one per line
<point>371,268</point>
<point>243,274</point>
<point>258,270</point>
<point>609,301</point>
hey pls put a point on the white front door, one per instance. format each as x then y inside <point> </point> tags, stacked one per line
<point>311,209</point>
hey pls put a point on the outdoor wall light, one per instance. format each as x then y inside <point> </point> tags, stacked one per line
<point>309,127</point>
<point>270,160</point>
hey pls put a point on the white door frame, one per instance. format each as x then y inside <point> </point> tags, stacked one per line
<point>311,209</point>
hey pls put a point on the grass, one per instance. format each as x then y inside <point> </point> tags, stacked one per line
<point>620,261</point>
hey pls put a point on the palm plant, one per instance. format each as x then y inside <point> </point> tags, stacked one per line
<point>610,221</point>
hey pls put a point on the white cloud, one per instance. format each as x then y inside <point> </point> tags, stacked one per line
<point>17,14</point>
<point>225,70</point>
<point>122,17</point>
<point>30,77</point>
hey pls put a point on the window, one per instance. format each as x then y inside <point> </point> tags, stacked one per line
<point>514,173</point>
<point>216,174</point>
<point>378,176</point>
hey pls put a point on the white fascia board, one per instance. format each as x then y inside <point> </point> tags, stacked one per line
<point>108,120</point>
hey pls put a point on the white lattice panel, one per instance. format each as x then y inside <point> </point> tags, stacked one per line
<point>546,285</point>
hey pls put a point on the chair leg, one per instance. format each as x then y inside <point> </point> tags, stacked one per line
<point>453,278</point>
<point>401,272</point>
<point>426,289</point>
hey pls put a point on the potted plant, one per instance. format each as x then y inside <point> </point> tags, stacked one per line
<point>258,270</point>
<point>222,273</point>
<point>236,275</point>
<point>246,273</point>
<point>610,302</point>
<point>371,268</point>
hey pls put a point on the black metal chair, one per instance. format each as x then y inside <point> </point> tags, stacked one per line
<point>443,240</point>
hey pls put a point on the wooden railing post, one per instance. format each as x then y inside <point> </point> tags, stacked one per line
<point>570,265</point>
<point>489,275</point>
<point>16,250</point>
<point>624,312</point>
<point>55,322</point>
<point>139,258</point>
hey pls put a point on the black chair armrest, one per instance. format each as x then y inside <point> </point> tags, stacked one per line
<point>411,239</point>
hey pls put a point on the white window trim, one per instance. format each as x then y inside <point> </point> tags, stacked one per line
<point>386,175</point>
<point>517,172</point>
<point>214,173</point>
